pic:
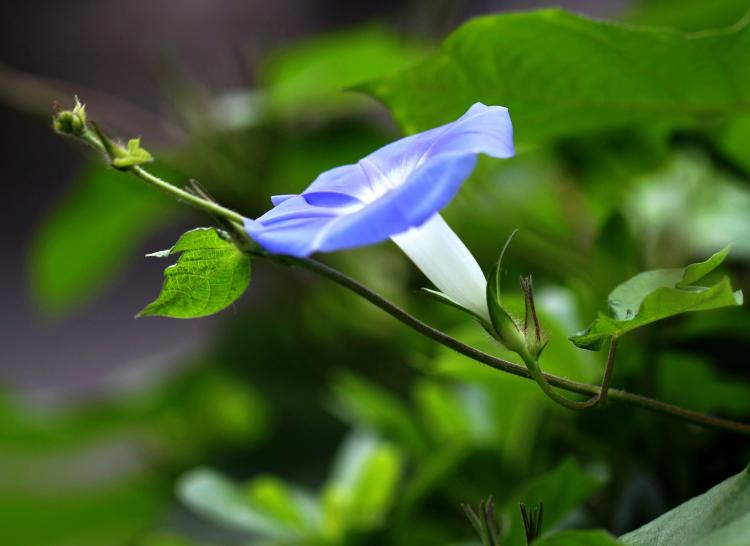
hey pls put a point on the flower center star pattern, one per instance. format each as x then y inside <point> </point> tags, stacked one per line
<point>396,193</point>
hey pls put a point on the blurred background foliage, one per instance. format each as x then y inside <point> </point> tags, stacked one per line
<point>303,415</point>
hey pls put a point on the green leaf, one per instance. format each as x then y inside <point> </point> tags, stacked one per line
<point>562,490</point>
<point>655,295</point>
<point>687,14</point>
<point>318,72</point>
<point>88,237</point>
<point>210,274</point>
<point>578,538</point>
<point>585,75</point>
<point>362,486</point>
<point>266,506</point>
<point>718,517</point>
<point>165,539</point>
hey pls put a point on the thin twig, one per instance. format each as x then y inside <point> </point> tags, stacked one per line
<point>618,395</point>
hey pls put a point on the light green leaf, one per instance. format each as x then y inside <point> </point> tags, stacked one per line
<point>255,509</point>
<point>655,295</point>
<point>585,75</point>
<point>718,517</point>
<point>578,538</point>
<point>132,156</point>
<point>318,72</point>
<point>445,411</point>
<point>210,274</point>
<point>362,486</point>
<point>89,236</point>
<point>690,204</point>
<point>627,298</point>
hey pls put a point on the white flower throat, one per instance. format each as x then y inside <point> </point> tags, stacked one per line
<point>444,259</point>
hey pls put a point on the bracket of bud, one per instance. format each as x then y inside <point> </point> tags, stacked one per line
<point>526,338</point>
<point>70,122</point>
<point>75,123</point>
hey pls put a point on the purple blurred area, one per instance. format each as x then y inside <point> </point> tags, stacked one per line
<point>116,49</point>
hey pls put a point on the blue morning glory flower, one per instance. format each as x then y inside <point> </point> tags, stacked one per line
<point>396,192</point>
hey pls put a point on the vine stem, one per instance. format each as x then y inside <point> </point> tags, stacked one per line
<point>209,206</point>
<point>599,399</point>
<point>487,359</point>
<point>598,394</point>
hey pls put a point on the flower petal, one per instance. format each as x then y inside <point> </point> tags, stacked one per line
<point>482,129</point>
<point>395,188</point>
<point>427,191</point>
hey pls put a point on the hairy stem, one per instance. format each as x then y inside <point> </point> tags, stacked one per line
<point>204,204</point>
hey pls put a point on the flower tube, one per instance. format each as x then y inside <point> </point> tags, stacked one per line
<point>396,192</point>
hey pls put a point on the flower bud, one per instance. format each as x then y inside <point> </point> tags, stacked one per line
<point>536,339</point>
<point>525,339</point>
<point>70,122</point>
<point>505,328</point>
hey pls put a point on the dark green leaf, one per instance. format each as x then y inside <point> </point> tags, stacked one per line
<point>655,295</point>
<point>562,490</point>
<point>210,274</point>
<point>718,517</point>
<point>363,403</point>
<point>578,538</point>
<point>584,75</point>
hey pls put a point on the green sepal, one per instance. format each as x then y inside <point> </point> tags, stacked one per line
<point>437,295</point>
<point>504,327</point>
<point>71,122</point>
<point>131,156</point>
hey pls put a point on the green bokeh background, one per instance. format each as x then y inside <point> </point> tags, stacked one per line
<point>304,415</point>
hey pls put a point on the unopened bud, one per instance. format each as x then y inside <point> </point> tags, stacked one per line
<point>505,328</point>
<point>536,339</point>
<point>70,122</point>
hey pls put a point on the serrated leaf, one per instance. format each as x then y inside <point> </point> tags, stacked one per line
<point>655,295</point>
<point>210,274</point>
<point>718,517</point>
<point>585,75</point>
